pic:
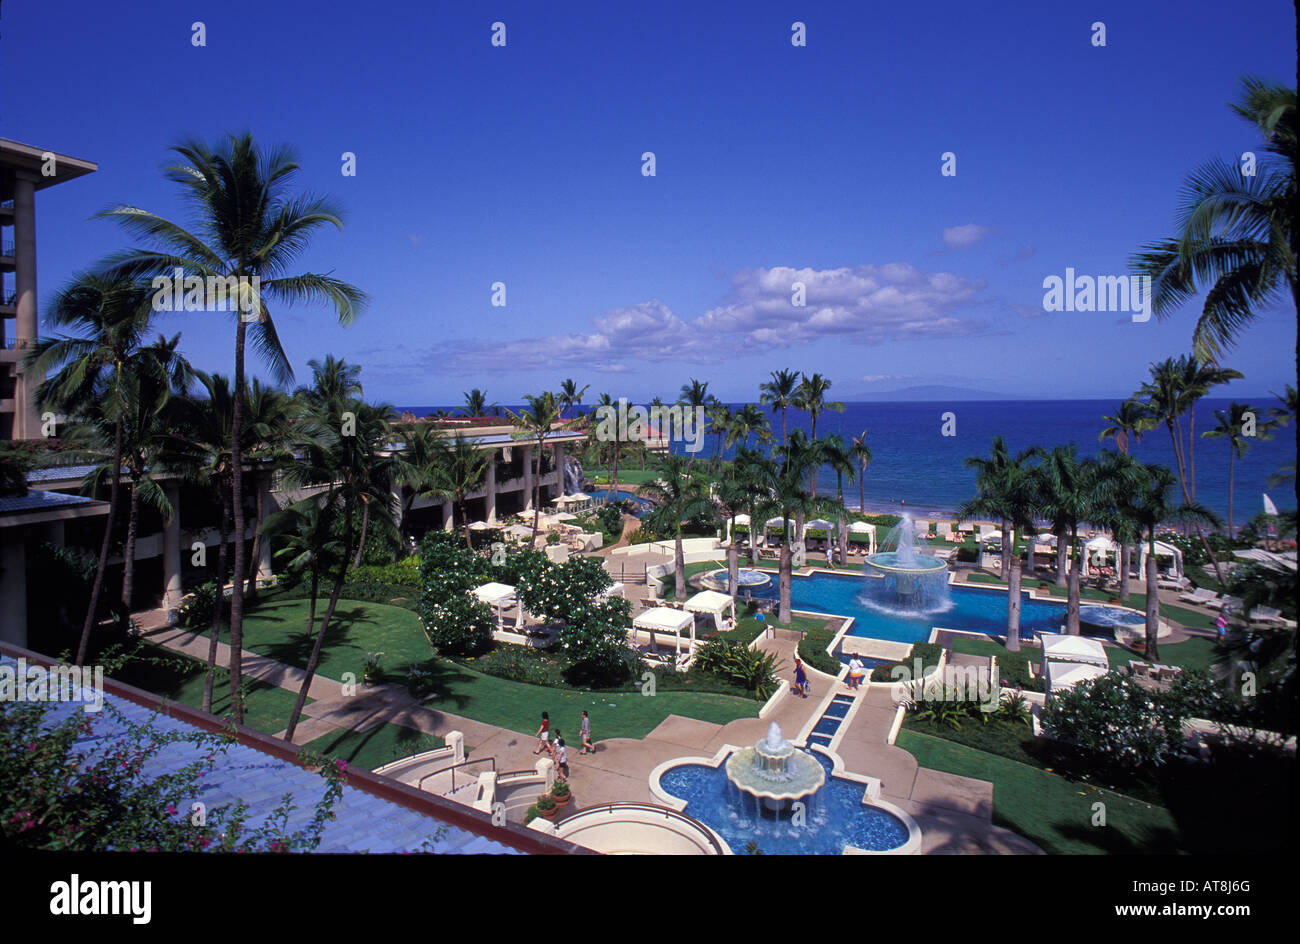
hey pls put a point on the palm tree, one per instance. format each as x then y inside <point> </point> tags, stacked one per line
<point>696,396</point>
<point>1115,508</point>
<point>790,499</point>
<point>681,494</point>
<point>1237,236</point>
<point>272,425</point>
<point>476,403</point>
<point>459,467</point>
<point>160,372</point>
<point>749,420</point>
<point>1175,386</point>
<point>992,471</point>
<point>720,418</point>
<point>861,453</point>
<point>840,459</point>
<point>780,393</point>
<point>1131,419</point>
<point>571,394</point>
<point>733,494</point>
<point>1068,495</point>
<point>535,422</point>
<point>250,227</point>
<point>348,460</point>
<point>1150,503</point>
<point>758,473</point>
<point>811,396</point>
<point>1009,492</point>
<point>1231,423</point>
<point>413,470</point>
<point>109,317</point>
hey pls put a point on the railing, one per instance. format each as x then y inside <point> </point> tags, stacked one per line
<point>697,830</point>
<point>453,768</point>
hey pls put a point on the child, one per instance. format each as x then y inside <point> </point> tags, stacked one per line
<point>585,731</point>
<point>561,758</point>
<point>544,734</point>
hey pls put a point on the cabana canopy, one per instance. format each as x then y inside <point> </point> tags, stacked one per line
<point>1073,649</point>
<point>715,604</point>
<point>1061,675</point>
<point>861,527</point>
<point>990,537</point>
<point>742,519</point>
<point>664,619</point>
<point>1162,550</point>
<point>500,596</point>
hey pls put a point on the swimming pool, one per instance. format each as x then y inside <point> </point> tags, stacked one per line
<point>836,816</point>
<point>604,494</point>
<point>971,609</point>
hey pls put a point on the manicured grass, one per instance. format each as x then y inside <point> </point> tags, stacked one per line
<point>380,745</point>
<point>517,706</point>
<point>625,476</point>
<point>276,630</point>
<point>1053,812</point>
<point>279,630</point>
<point>181,679</point>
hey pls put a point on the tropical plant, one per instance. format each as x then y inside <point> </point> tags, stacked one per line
<point>681,494</point>
<point>535,423</point>
<point>1130,420</point>
<point>1240,425</point>
<point>811,396</point>
<point>250,227</point>
<point>571,394</point>
<point>781,393</point>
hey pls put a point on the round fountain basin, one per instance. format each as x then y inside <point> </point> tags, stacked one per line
<point>892,562</point>
<point>747,581</point>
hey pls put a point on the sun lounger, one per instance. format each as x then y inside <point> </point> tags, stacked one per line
<point>1232,604</point>
<point>1139,668</point>
<point>1203,596</point>
<point>1266,614</point>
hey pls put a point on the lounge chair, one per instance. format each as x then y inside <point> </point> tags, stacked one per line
<point>1138,668</point>
<point>1232,604</point>
<point>1266,614</point>
<point>1203,596</point>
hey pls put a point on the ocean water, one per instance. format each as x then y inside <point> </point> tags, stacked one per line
<point>916,467</point>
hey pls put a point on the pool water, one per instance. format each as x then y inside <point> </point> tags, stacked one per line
<point>971,609</point>
<point>835,816</point>
<point>620,495</point>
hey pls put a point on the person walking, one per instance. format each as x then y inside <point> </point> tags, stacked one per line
<point>800,678</point>
<point>1221,625</point>
<point>544,734</point>
<point>585,731</point>
<point>561,758</point>
<point>856,668</point>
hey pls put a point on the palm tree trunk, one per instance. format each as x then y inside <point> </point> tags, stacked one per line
<point>255,555</point>
<point>128,549</point>
<point>1061,561</point>
<point>464,521</point>
<point>1125,562</point>
<point>97,587</point>
<point>733,562</point>
<point>1072,595</point>
<point>237,511</point>
<point>1153,601</point>
<point>214,631</point>
<point>783,611</point>
<point>1013,608</point>
<point>365,527</point>
<point>862,489</point>
<point>537,486</point>
<point>679,566</point>
<point>1008,548</point>
<point>844,540</point>
<point>314,660</point>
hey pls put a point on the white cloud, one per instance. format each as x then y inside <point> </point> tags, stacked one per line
<point>963,237</point>
<point>863,304</point>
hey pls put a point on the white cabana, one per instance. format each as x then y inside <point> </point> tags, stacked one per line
<point>480,526</point>
<point>776,523</point>
<point>820,524</point>
<point>1069,648</point>
<point>715,604</point>
<point>862,527</point>
<point>665,619</point>
<point>991,537</point>
<point>1096,550</point>
<point>1163,552</point>
<point>1062,675</point>
<point>500,597</point>
<point>561,516</point>
<point>740,520</point>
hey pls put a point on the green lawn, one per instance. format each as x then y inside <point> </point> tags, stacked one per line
<point>625,476</point>
<point>1195,653</point>
<point>277,630</point>
<point>181,679</point>
<point>1050,810</point>
<point>378,746</point>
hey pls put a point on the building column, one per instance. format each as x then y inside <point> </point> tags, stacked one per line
<point>491,498</point>
<point>171,556</point>
<point>528,478</point>
<point>26,421</point>
<point>13,588</point>
<point>557,453</point>
<point>269,507</point>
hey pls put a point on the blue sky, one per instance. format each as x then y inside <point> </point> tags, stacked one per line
<point>522,165</point>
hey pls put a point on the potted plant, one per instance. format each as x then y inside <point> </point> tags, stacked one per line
<point>547,807</point>
<point>531,814</point>
<point>561,793</point>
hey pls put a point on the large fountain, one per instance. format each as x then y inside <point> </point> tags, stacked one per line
<point>775,772</point>
<point>902,579</point>
<point>749,583</point>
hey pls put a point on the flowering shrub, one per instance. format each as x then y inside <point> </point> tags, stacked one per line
<point>1116,719</point>
<point>54,794</point>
